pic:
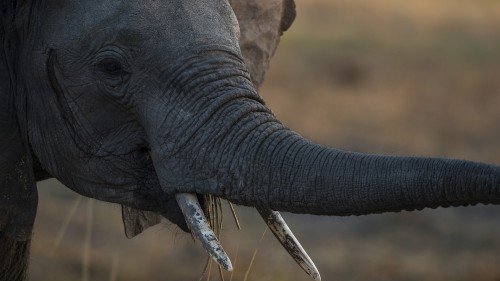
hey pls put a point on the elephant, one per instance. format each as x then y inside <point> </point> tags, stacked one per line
<point>153,105</point>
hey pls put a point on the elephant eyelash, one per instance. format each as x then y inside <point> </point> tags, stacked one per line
<point>112,60</point>
<point>111,67</point>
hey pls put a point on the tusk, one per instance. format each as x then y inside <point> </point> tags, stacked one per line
<point>285,236</point>
<point>199,227</point>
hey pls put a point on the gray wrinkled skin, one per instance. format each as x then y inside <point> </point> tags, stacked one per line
<point>133,102</point>
<point>106,101</point>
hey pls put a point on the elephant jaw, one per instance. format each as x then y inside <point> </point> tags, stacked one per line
<point>200,229</point>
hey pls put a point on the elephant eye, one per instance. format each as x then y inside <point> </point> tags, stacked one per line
<point>111,67</point>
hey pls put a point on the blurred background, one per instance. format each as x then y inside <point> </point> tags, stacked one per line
<point>393,77</point>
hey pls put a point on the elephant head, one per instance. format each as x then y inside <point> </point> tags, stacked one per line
<point>138,103</point>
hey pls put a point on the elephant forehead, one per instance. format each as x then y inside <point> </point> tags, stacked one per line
<point>67,21</point>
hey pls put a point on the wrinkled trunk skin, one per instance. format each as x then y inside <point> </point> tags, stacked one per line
<point>198,153</point>
<point>15,256</point>
<point>235,148</point>
<point>291,174</point>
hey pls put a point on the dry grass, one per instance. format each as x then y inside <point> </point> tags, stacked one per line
<point>392,77</point>
<point>387,76</point>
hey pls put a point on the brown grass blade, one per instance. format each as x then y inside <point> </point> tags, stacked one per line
<point>254,254</point>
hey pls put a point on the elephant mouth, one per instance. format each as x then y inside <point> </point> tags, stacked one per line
<point>200,228</point>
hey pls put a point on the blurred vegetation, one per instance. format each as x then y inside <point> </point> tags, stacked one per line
<point>386,76</point>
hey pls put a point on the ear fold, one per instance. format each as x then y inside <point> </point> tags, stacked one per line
<point>18,194</point>
<point>136,221</point>
<point>262,22</point>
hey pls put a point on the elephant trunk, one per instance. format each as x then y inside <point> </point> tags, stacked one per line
<point>292,174</point>
<point>235,148</point>
<point>217,137</point>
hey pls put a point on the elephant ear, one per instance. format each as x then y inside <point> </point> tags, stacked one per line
<point>18,194</point>
<point>262,22</point>
<point>136,221</point>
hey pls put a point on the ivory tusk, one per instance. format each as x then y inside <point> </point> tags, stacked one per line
<point>285,236</point>
<point>199,227</point>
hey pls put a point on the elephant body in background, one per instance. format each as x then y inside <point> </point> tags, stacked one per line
<point>136,103</point>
